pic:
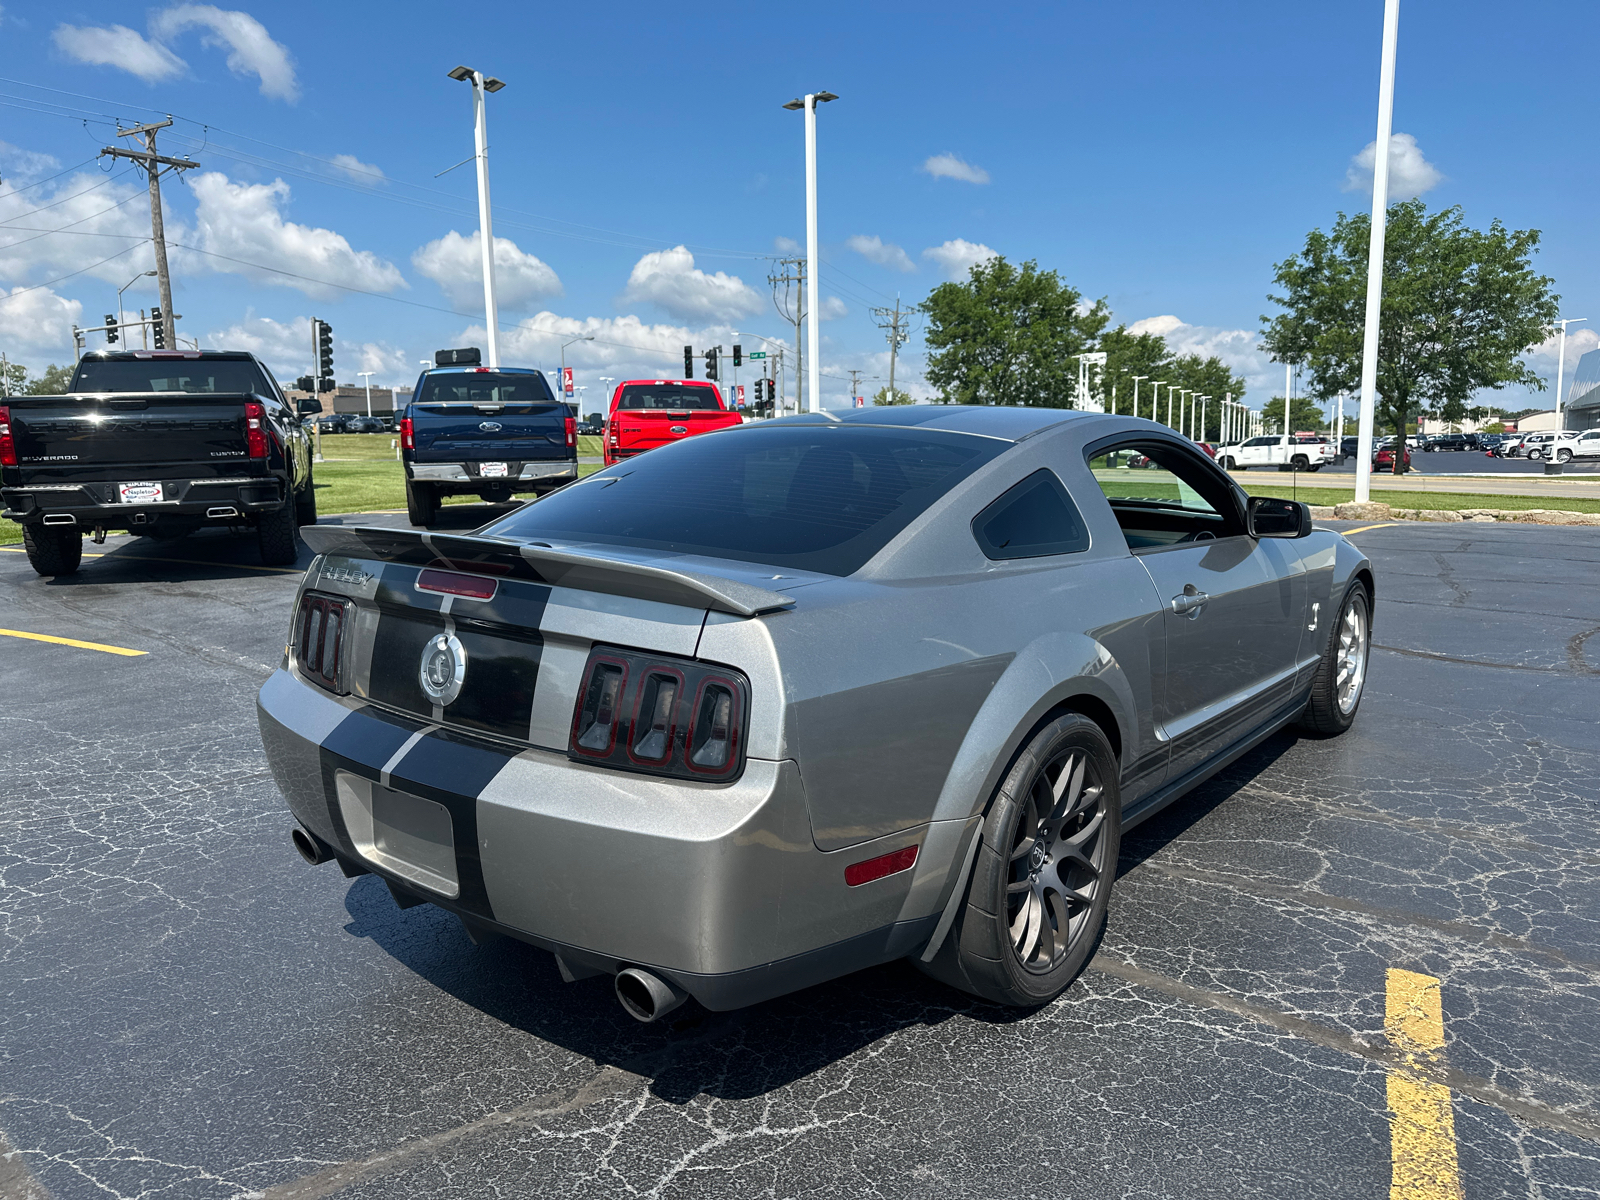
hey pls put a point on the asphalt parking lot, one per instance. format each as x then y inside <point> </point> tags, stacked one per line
<point>190,1011</point>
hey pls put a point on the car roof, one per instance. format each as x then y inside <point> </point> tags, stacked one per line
<point>482,370</point>
<point>147,355</point>
<point>683,382</point>
<point>1003,421</point>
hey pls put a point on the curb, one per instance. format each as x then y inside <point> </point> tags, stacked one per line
<point>1375,511</point>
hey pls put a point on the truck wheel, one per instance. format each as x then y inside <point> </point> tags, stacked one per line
<point>277,536</point>
<point>1227,462</point>
<point>53,549</point>
<point>422,504</point>
<point>1041,881</point>
<point>1342,672</point>
<point>1314,467</point>
<point>305,505</point>
<point>1299,462</point>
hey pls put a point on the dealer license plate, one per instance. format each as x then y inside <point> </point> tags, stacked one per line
<point>492,470</point>
<point>139,493</point>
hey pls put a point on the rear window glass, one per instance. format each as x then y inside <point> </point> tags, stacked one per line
<point>1034,518</point>
<point>483,387</point>
<point>170,375</point>
<point>676,396</point>
<point>812,497</point>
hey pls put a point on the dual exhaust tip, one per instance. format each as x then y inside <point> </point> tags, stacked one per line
<point>644,996</point>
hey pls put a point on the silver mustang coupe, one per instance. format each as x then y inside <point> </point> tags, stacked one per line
<point>774,704</point>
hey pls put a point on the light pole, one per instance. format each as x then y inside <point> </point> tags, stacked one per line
<point>367,375</point>
<point>813,329</point>
<point>586,338</point>
<point>481,85</point>
<point>1380,208</point>
<point>1561,365</point>
<point>142,275</point>
<point>1136,380</point>
<point>1155,397</point>
<point>608,380</point>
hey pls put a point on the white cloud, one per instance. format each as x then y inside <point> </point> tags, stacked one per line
<point>948,166</point>
<point>285,346</point>
<point>244,221</point>
<point>784,245</point>
<point>38,326</point>
<point>669,279</point>
<point>1542,358</point>
<point>455,263</point>
<point>832,309</point>
<point>118,46</point>
<point>98,217</point>
<point>958,256</point>
<point>885,254</point>
<point>357,170</point>
<point>1237,349</point>
<point>251,50</point>
<point>18,163</point>
<point>1410,174</point>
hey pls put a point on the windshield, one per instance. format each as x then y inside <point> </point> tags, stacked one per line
<point>668,395</point>
<point>483,387</point>
<point>812,497</point>
<point>170,375</point>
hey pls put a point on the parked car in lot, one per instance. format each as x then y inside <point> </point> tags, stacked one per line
<point>647,413</point>
<point>1586,444</point>
<point>158,443</point>
<point>1383,458</point>
<point>335,423</point>
<point>493,434</point>
<point>361,424</point>
<point>1453,441</point>
<point>1553,446</point>
<point>735,717</point>
<point>1276,450</point>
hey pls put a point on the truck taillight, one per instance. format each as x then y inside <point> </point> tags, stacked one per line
<point>611,432</point>
<point>8,445</point>
<point>255,435</point>
<point>319,651</point>
<point>408,440</point>
<point>572,433</point>
<point>661,715</point>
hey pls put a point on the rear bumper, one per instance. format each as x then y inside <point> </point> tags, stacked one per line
<point>718,888</point>
<point>519,475</point>
<point>95,503</point>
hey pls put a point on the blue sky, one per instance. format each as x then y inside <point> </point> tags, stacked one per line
<point>1163,156</point>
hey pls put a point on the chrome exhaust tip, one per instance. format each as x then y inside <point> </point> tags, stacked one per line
<point>222,510</point>
<point>61,519</point>
<point>310,848</point>
<point>646,997</point>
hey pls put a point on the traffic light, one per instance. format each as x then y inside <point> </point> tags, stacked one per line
<point>688,362</point>
<point>738,354</point>
<point>305,384</point>
<point>158,330</point>
<point>711,362</point>
<point>325,354</point>
<point>111,329</point>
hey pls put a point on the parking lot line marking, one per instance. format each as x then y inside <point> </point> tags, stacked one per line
<point>61,641</point>
<point>20,550</point>
<point>1422,1131</point>
<point>1364,528</point>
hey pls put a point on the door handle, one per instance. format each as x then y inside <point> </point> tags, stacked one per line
<point>1190,602</point>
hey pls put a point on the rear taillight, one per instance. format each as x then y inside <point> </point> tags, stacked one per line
<point>8,445</point>
<point>320,635</point>
<point>407,440</point>
<point>572,433</point>
<point>611,432</point>
<point>255,434</point>
<point>661,715</point>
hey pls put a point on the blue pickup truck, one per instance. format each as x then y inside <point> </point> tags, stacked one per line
<point>470,430</point>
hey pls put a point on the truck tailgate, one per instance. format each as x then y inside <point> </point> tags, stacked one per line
<point>647,428</point>
<point>145,431</point>
<point>465,432</point>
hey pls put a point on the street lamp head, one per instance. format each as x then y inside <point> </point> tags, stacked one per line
<point>795,104</point>
<point>461,73</point>
<point>491,84</point>
<point>823,97</point>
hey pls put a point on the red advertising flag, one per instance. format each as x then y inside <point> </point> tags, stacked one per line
<point>566,380</point>
<point>741,395</point>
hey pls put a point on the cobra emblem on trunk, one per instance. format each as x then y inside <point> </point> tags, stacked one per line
<point>444,668</point>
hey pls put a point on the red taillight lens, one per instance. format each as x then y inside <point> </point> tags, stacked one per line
<point>449,583</point>
<point>8,445</point>
<point>611,432</point>
<point>572,432</point>
<point>319,646</point>
<point>255,433</point>
<point>407,441</point>
<point>877,868</point>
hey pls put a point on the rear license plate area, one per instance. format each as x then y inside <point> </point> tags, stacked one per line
<point>138,493</point>
<point>403,834</point>
<point>492,470</point>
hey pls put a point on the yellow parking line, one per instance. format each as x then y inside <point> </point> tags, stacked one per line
<point>1422,1131</point>
<point>1364,528</point>
<point>61,641</point>
<point>20,550</point>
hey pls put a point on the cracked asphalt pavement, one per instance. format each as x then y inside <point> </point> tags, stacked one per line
<point>191,1011</point>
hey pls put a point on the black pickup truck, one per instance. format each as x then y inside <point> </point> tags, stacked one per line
<point>158,443</point>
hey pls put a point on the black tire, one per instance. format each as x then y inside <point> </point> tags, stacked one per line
<point>1563,455</point>
<point>422,504</point>
<point>1535,454</point>
<point>1328,712</point>
<point>1227,462</point>
<point>980,954</point>
<point>1314,467</point>
<point>278,537</point>
<point>53,549</point>
<point>1299,462</point>
<point>305,504</point>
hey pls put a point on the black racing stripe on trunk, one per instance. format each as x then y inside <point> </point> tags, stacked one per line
<point>397,658</point>
<point>361,744</point>
<point>453,770</point>
<point>497,696</point>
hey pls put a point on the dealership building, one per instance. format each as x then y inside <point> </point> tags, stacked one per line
<point>1581,409</point>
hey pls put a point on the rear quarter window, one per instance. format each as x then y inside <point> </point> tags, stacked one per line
<point>1031,519</point>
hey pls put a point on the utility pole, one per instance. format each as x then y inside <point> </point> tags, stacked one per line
<point>792,271</point>
<point>152,163</point>
<point>855,387</point>
<point>897,324</point>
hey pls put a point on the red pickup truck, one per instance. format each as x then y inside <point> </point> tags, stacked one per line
<point>646,413</point>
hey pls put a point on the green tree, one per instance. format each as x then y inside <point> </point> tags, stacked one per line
<point>1460,306</point>
<point>883,396</point>
<point>1129,355</point>
<point>52,383</point>
<point>15,380</point>
<point>1208,377</point>
<point>1008,335</point>
<point>1304,413</point>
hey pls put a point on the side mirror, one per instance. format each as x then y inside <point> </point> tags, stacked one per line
<point>309,407</point>
<point>1270,517</point>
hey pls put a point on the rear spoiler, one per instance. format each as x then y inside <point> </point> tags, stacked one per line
<point>587,570</point>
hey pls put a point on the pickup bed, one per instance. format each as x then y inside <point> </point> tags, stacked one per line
<point>646,413</point>
<point>1275,450</point>
<point>158,443</point>
<point>490,433</point>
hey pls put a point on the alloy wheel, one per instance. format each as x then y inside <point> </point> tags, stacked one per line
<point>1352,660</point>
<point>1057,863</point>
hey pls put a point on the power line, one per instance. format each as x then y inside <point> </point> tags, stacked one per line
<point>17,191</point>
<point>63,278</point>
